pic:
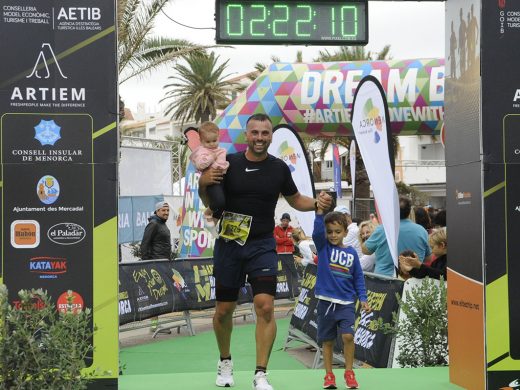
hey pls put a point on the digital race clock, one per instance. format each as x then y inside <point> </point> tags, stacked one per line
<point>304,22</point>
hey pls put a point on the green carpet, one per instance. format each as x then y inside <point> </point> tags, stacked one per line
<point>190,363</point>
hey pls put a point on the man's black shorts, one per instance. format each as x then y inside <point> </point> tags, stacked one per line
<point>233,262</point>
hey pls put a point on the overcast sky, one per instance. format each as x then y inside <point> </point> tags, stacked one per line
<point>413,29</point>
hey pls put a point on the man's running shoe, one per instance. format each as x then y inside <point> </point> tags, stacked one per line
<point>260,382</point>
<point>225,373</point>
<point>350,380</point>
<point>329,381</point>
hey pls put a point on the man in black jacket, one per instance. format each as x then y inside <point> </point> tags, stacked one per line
<point>156,242</point>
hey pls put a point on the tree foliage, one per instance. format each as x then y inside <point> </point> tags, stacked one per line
<point>139,52</point>
<point>41,348</point>
<point>198,87</point>
<point>423,332</point>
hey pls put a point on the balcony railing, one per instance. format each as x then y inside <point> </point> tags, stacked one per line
<point>420,163</point>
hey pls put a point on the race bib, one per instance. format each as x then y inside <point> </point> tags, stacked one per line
<point>235,227</point>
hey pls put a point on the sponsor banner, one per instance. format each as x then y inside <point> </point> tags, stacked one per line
<point>155,287</point>
<point>316,98</point>
<point>371,127</point>
<point>500,205</point>
<point>373,347</point>
<point>194,240</point>
<point>304,316</point>
<point>288,280</point>
<point>59,154</point>
<point>287,145</point>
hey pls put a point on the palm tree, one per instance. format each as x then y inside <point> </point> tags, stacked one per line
<point>353,53</point>
<point>198,88</point>
<point>138,52</point>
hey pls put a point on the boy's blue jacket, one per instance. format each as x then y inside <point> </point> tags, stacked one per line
<point>340,276</point>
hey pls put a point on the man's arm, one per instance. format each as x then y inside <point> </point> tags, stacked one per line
<point>207,178</point>
<point>365,250</point>
<point>305,203</point>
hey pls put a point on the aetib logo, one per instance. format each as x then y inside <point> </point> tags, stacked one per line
<point>25,234</point>
<point>48,267</point>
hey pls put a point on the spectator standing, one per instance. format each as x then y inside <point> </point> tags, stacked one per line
<point>411,237</point>
<point>437,269</point>
<point>422,217</point>
<point>156,242</point>
<point>283,235</point>
<point>366,228</point>
<point>252,186</point>
<point>304,244</point>
<point>352,238</point>
<point>339,282</point>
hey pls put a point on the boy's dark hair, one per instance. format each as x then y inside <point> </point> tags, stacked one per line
<point>336,216</point>
<point>405,206</point>
<point>259,117</point>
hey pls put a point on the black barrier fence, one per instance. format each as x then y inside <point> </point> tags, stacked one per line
<point>372,346</point>
<point>151,288</point>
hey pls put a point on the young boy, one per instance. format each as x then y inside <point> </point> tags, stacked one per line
<point>339,282</point>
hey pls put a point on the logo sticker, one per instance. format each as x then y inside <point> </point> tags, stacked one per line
<point>66,233</point>
<point>70,302</point>
<point>47,132</point>
<point>25,234</point>
<point>48,189</point>
<point>41,61</point>
<point>48,267</point>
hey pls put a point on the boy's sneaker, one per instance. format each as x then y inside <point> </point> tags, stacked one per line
<point>260,382</point>
<point>350,380</point>
<point>329,381</point>
<point>225,373</point>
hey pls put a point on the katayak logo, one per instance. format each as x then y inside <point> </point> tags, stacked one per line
<point>47,132</point>
<point>48,267</point>
<point>288,155</point>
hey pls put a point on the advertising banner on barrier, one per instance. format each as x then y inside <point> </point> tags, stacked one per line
<point>372,346</point>
<point>155,287</point>
<point>59,140</point>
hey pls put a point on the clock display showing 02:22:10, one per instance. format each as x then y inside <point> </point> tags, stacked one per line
<point>284,22</point>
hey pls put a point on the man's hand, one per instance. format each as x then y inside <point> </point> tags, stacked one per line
<point>366,307</point>
<point>210,176</point>
<point>324,201</point>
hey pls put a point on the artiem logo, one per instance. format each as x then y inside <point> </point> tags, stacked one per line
<point>48,189</point>
<point>373,118</point>
<point>47,132</point>
<point>514,385</point>
<point>66,233</point>
<point>48,267</point>
<point>44,59</point>
<point>288,155</point>
<point>70,302</point>
<point>25,234</point>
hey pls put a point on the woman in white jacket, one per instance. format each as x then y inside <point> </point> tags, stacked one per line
<point>306,247</point>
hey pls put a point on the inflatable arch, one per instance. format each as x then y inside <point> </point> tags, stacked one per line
<point>316,98</point>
